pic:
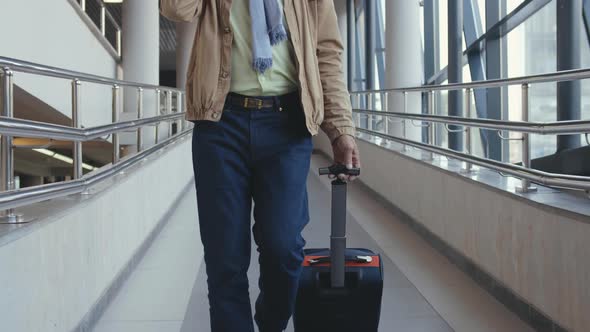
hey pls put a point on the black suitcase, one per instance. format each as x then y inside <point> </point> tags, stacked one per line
<point>340,289</point>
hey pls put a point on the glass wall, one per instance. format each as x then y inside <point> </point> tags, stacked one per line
<point>529,48</point>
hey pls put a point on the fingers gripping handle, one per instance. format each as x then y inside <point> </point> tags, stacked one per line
<point>338,169</point>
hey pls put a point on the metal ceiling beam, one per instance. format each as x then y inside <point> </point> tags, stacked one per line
<point>431,41</point>
<point>569,98</point>
<point>380,44</point>
<point>359,81</point>
<point>431,50</point>
<point>472,27</point>
<point>351,45</point>
<point>586,13</point>
<point>455,68</point>
<point>496,101</point>
<point>370,44</point>
<point>507,24</point>
<point>358,58</point>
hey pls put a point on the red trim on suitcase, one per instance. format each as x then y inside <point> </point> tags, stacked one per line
<point>374,263</point>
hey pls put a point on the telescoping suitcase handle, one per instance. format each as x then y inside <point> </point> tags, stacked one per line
<point>337,169</point>
<point>338,235</point>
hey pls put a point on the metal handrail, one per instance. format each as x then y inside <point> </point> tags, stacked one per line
<point>34,129</point>
<point>20,197</point>
<point>544,178</point>
<point>48,71</point>
<point>565,75</point>
<point>10,127</point>
<point>524,126</point>
<point>540,128</point>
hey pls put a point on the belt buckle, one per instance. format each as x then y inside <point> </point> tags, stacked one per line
<point>259,102</point>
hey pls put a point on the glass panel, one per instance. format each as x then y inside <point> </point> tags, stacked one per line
<point>512,4</point>
<point>466,74</point>
<point>443,11</point>
<point>421,25</point>
<point>481,4</point>
<point>532,50</point>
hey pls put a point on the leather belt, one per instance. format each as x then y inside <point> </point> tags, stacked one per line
<point>274,103</point>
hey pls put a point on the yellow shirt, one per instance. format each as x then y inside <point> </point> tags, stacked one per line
<point>280,79</point>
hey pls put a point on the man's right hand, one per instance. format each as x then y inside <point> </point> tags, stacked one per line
<point>346,152</point>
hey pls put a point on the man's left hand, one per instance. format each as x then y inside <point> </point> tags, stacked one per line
<point>346,153</point>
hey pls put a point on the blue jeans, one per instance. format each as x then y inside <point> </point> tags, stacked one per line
<point>258,157</point>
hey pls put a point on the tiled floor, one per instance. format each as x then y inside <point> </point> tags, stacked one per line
<point>423,292</point>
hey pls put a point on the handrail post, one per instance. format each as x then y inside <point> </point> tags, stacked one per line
<point>7,154</point>
<point>116,105</point>
<point>370,107</point>
<point>139,117</point>
<point>358,106</point>
<point>385,107</point>
<point>526,143</point>
<point>431,133</point>
<point>119,42</point>
<point>404,129</point>
<point>103,19</point>
<point>158,101</point>
<point>83,5</point>
<point>468,166</point>
<point>169,110</point>
<point>78,171</point>
<point>179,122</point>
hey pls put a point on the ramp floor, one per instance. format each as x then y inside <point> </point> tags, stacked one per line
<point>423,292</point>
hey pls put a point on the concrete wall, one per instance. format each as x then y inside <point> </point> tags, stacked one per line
<point>51,32</point>
<point>53,275</point>
<point>540,253</point>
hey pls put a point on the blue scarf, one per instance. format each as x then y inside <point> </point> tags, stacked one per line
<point>267,31</point>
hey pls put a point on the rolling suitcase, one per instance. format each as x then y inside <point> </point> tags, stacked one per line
<point>340,288</point>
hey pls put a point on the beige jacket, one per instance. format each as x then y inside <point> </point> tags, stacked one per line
<point>318,53</point>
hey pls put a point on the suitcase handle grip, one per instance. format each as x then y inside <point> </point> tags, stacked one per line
<point>353,259</point>
<point>337,169</point>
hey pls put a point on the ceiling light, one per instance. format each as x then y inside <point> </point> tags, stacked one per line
<point>88,167</point>
<point>63,158</point>
<point>112,1</point>
<point>45,152</point>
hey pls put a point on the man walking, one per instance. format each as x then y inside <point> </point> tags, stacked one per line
<point>264,76</point>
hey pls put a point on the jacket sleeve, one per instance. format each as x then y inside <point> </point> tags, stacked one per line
<point>181,10</point>
<point>337,106</point>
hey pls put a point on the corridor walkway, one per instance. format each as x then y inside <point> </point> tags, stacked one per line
<point>423,291</point>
